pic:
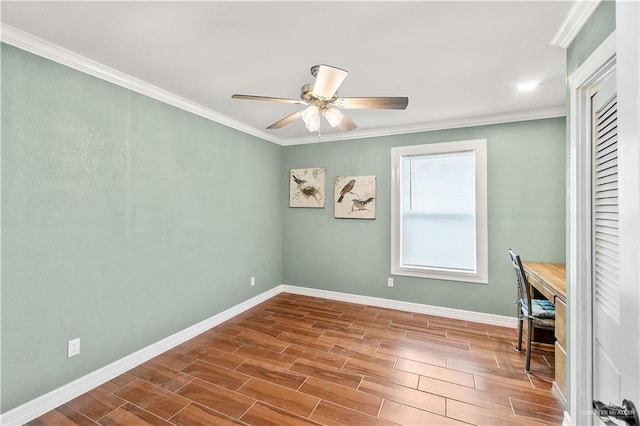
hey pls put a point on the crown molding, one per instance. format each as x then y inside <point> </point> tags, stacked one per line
<point>53,52</point>
<point>484,120</point>
<point>573,22</point>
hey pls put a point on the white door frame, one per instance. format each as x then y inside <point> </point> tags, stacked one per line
<point>601,62</point>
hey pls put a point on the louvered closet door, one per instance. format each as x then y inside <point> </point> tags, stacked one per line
<point>605,261</point>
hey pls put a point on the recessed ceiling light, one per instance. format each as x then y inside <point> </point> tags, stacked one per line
<point>527,86</point>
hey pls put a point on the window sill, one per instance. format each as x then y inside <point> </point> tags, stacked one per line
<point>441,274</point>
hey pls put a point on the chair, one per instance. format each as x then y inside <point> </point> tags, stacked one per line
<point>539,313</point>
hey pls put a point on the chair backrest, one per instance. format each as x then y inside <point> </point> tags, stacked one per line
<point>523,284</point>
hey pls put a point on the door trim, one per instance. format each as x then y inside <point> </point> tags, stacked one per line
<point>600,64</point>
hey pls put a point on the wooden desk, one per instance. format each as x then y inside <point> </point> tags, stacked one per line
<point>550,280</point>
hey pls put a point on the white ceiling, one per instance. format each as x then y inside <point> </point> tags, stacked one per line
<point>458,62</point>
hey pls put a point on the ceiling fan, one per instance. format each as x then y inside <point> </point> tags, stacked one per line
<point>322,99</point>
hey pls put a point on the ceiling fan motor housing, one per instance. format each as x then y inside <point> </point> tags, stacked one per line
<point>306,94</point>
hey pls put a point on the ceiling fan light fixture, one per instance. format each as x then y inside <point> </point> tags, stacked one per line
<point>311,118</point>
<point>333,115</point>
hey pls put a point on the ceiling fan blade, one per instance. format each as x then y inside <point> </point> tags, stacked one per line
<point>346,124</point>
<point>288,119</point>
<point>379,103</point>
<point>328,80</point>
<point>267,98</point>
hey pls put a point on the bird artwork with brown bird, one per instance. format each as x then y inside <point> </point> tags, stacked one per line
<point>298,180</point>
<point>346,189</point>
<point>361,204</point>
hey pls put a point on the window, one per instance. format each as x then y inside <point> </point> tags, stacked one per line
<point>439,211</point>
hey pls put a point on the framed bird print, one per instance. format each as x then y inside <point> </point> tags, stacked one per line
<point>307,187</point>
<point>355,197</point>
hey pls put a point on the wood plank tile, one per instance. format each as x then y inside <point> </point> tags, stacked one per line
<point>382,330</point>
<point>62,416</point>
<point>364,352</point>
<point>516,361</point>
<point>420,355</point>
<point>217,357</point>
<point>272,374</point>
<point>411,416</point>
<point>333,375</point>
<point>340,306</point>
<point>287,311</point>
<point>129,414</point>
<point>213,341</point>
<point>331,414</point>
<point>273,358</point>
<point>326,325</point>
<point>220,376</point>
<point>160,376</point>
<point>322,314</point>
<point>415,398</point>
<point>414,325</point>
<point>261,341</point>
<point>390,313</point>
<point>245,325</point>
<point>542,380</point>
<point>279,396</point>
<point>266,415</point>
<point>346,397</point>
<point>378,371</point>
<point>521,389</point>
<point>321,343</point>
<point>117,382</point>
<point>298,359</point>
<point>259,319</point>
<point>462,393</point>
<point>96,403</point>
<point>301,330</point>
<point>216,397</point>
<point>326,358</point>
<point>365,317</point>
<point>441,344</point>
<point>152,398</point>
<point>198,415</point>
<point>172,361</point>
<point>436,372</point>
<point>545,413</point>
<point>484,365</point>
<point>483,416</point>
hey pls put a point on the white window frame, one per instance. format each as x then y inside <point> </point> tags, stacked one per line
<point>480,275</point>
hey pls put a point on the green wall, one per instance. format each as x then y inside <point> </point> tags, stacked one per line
<point>124,220</point>
<point>526,207</point>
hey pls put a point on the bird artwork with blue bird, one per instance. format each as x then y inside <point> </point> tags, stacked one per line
<point>346,189</point>
<point>361,204</point>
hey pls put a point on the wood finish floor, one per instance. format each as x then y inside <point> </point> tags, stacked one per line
<point>304,360</point>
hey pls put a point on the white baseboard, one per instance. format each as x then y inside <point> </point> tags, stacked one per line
<point>399,305</point>
<point>47,402</point>
<point>566,421</point>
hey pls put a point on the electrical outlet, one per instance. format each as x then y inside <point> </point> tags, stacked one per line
<point>73,347</point>
<point>253,281</point>
<point>389,282</point>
